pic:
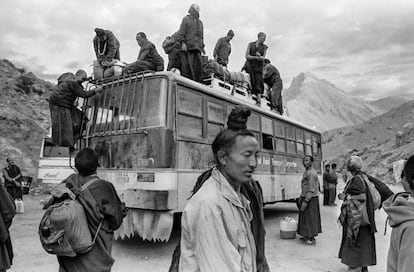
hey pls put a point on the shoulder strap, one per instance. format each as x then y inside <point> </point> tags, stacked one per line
<point>88,183</point>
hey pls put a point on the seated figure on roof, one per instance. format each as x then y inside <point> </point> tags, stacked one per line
<point>148,57</point>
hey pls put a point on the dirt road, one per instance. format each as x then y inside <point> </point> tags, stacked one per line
<point>137,255</point>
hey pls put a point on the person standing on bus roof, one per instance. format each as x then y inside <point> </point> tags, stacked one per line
<point>101,202</point>
<point>148,57</point>
<point>13,179</point>
<point>106,47</point>
<point>66,118</point>
<point>271,77</point>
<point>309,224</point>
<point>255,56</point>
<point>191,37</point>
<point>222,50</point>
<point>217,221</point>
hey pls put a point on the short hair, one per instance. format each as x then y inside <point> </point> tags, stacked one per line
<point>230,33</point>
<point>86,162</point>
<point>142,35</point>
<point>261,34</point>
<point>81,73</point>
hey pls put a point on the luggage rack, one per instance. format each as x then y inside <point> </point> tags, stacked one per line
<point>236,90</point>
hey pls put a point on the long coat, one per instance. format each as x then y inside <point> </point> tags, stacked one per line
<point>7,212</point>
<point>362,251</point>
<point>100,201</point>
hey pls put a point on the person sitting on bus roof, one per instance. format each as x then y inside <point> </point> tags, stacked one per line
<point>222,50</point>
<point>219,215</point>
<point>255,55</point>
<point>66,118</point>
<point>271,77</point>
<point>148,57</point>
<point>106,47</point>
<point>191,37</point>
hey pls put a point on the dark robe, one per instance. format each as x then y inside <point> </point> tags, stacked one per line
<point>255,68</point>
<point>12,188</point>
<point>67,120</point>
<point>361,252</point>
<point>7,212</point>
<point>253,192</point>
<point>271,77</point>
<point>151,60</point>
<point>109,208</point>
<point>310,220</point>
<point>191,33</point>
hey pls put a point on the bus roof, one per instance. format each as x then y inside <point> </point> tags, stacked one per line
<point>220,93</point>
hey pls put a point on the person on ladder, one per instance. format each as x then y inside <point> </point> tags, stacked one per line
<point>67,119</point>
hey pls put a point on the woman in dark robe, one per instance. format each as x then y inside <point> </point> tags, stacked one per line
<point>358,236</point>
<point>13,179</point>
<point>7,212</point>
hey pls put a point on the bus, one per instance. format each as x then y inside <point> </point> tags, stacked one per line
<point>54,165</point>
<point>153,134</point>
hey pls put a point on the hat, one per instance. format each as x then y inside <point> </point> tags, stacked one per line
<point>230,33</point>
<point>100,32</point>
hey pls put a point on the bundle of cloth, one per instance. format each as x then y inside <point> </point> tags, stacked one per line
<point>236,78</point>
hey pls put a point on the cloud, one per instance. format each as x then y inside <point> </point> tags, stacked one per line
<point>363,47</point>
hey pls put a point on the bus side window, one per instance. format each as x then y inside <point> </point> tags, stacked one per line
<point>299,141</point>
<point>280,137</point>
<point>189,117</point>
<point>215,120</point>
<point>290,143</point>
<point>308,144</point>
<point>267,133</point>
<point>316,145</point>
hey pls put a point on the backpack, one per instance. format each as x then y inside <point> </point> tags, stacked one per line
<point>375,195</point>
<point>64,229</point>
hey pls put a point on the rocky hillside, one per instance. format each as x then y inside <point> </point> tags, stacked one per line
<point>374,140</point>
<point>24,116</point>
<point>317,102</point>
<point>383,105</point>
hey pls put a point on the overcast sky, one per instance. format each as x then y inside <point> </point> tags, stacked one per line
<point>364,47</point>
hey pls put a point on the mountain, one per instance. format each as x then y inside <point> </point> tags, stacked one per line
<point>24,116</point>
<point>385,104</point>
<point>374,140</point>
<point>318,103</point>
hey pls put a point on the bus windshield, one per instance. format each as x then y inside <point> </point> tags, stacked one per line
<point>129,105</point>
